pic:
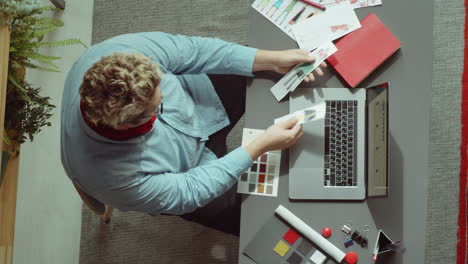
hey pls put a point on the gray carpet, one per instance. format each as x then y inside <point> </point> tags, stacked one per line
<point>444,157</point>
<point>138,238</point>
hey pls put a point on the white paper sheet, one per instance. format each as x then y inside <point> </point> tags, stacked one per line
<point>294,77</point>
<point>332,24</point>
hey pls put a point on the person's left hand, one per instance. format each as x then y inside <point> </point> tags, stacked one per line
<point>286,59</point>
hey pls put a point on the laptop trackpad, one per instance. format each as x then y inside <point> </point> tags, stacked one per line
<point>308,152</point>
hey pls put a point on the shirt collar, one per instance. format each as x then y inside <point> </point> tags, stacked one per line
<point>119,135</point>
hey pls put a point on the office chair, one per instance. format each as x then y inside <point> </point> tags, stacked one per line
<point>104,211</point>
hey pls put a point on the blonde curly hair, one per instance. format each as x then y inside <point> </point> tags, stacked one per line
<point>118,88</point>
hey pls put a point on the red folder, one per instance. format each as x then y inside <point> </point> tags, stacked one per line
<point>363,50</point>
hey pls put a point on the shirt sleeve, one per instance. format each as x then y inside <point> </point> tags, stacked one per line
<point>181,54</point>
<point>180,193</point>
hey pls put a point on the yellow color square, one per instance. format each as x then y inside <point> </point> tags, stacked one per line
<point>281,248</point>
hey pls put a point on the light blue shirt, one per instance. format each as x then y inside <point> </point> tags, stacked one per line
<point>169,169</point>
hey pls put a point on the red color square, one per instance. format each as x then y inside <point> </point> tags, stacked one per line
<point>263,168</point>
<point>261,178</point>
<point>291,236</point>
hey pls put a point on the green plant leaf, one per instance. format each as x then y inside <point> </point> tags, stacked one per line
<point>26,110</point>
<point>6,139</point>
<point>16,83</point>
<point>39,68</point>
<point>44,59</point>
<point>21,88</point>
<point>62,43</point>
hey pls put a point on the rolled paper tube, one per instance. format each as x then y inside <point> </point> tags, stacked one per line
<point>311,234</point>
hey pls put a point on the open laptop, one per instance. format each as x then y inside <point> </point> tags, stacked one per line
<point>344,156</point>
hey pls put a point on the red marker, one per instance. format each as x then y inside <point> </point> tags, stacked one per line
<point>319,6</point>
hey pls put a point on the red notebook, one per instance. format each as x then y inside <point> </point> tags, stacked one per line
<point>363,50</point>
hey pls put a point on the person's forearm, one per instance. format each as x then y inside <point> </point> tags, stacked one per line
<point>264,60</point>
<point>256,148</point>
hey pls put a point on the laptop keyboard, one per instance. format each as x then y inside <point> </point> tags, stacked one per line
<point>340,139</point>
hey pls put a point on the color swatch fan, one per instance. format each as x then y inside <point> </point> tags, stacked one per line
<point>363,50</point>
<point>262,177</point>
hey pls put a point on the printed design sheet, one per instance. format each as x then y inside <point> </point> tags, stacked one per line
<point>334,23</point>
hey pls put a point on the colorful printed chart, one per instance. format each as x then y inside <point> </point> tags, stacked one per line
<point>262,177</point>
<point>284,13</point>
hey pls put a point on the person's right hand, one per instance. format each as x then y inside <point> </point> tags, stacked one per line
<point>282,135</point>
<point>276,137</point>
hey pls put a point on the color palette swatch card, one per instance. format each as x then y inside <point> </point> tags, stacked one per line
<point>263,176</point>
<point>332,24</point>
<point>294,77</point>
<point>280,241</point>
<point>313,113</point>
<point>284,13</point>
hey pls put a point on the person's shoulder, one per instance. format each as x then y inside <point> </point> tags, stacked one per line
<point>135,37</point>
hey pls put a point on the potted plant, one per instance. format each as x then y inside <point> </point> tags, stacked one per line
<point>26,110</point>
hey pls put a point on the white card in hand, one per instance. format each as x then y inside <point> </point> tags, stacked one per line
<point>313,113</point>
<point>336,22</point>
<point>294,77</point>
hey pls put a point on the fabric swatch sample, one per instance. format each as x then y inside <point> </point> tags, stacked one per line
<point>281,248</point>
<point>305,247</point>
<point>294,258</point>
<point>291,236</point>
